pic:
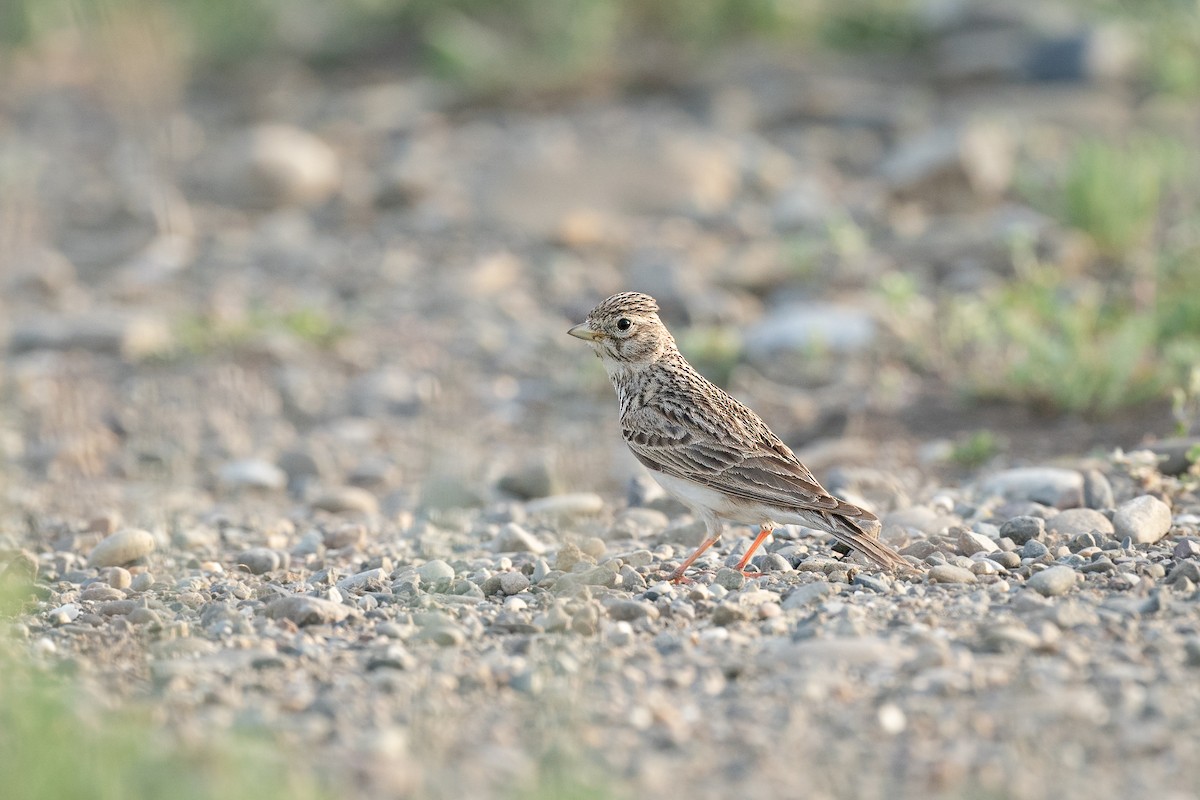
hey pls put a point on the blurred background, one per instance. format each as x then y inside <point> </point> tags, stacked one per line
<point>324,255</point>
<point>303,244</point>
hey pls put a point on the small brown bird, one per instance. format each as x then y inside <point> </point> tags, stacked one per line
<point>704,447</point>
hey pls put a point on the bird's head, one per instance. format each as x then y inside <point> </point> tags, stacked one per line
<point>625,331</point>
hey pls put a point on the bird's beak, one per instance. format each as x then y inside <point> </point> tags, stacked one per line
<point>582,331</point>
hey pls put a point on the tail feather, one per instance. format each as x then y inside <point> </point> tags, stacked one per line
<point>849,533</point>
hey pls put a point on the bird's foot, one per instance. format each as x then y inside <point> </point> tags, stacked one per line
<point>679,578</point>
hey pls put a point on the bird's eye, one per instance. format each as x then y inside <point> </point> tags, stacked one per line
<point>624,324</point>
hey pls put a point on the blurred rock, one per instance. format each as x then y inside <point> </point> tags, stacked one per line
<point>275,165</point>
<point>946,164</point>
<point>251,474</point>
<point>1173,453</point>
<point>347,500</point>
<point>1144,519</point>
<point>131,336</point>
<point>1077,521</point>
<point>1053,486</point>
<point>804,326</point>
<point>123,547</point>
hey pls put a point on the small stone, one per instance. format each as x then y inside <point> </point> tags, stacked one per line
<point>632,610</point>
<point>339,537</point>
<point>530,481</point>
<point>1034,549</point>
<point>97,593</point>
<point>252,474</point>
<point>1097,490</point>
<point>950,573</point>
<point>1053,581</point>
<point>970,543</point>
<point>512,538</point>
<point>144,616</point>
<point>275,165</point>
<point>447,634</point>
<point>1052,486</point>
<point>1077,521</point>
<point>367,580</point>
<point>975,159</point>
<point>64,614</point>
<point>730,579</point>
<point>1008,560</point>
<point>513,583</point>
<point>568,556</point>
<point>1023,529</point>
<point>347,500</point>
<point>128,336</point>
<point>567,506</point>
<point>808,594</point>
<point>871,582</point>
<point>123,547</point>
<point>1144,519</point>
<point>303,610</point>
<point>141,582</point>
<point>260,560</point>
<point>728,613</point>
<point>435,571</point>
<point>1186,548</point>
<point>118,577</point>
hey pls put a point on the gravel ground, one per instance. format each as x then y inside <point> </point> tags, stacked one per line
<point>293,438</point>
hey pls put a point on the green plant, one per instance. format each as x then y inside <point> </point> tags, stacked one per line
<point>976,450</point>
<point>53,745</point>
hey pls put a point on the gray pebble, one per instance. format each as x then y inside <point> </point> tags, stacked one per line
<point>513,583</point>
<point>1052,486</point>
<point>809,594</point>
<point>632,610</point>
<point>347,500</point>
<point>1034,549</point>
<point>970,543</point>
<point>512,538</point>
<point>141,582</point>
<point>1097,491</point>
<point>1077,521</point>
<point>1023,529</point>
<point>1143,520</point>
<point>730,579</point>
<point>304,610</point>
<point>874,584</point>
<point>123,547</point>
<point>1053,581</point>
<point>251,474</point>
<point>950,573</point>
<point>64,614</point>
<point>432,572</point>
<point>728,614</point>
<point>260,560</point>
<point>567,506</point>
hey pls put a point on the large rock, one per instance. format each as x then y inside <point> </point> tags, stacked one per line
<point>123,547</point>
<point>1052,486</point>
<point>1144,519</point>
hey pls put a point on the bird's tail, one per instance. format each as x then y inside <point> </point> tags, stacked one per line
<point>851,533</point>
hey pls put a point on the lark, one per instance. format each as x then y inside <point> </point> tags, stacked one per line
<point>704,447</point>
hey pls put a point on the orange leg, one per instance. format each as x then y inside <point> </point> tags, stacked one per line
<point>677,575</point>
<point>763,533</point>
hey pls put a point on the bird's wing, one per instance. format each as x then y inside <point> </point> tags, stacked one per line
<point>756,468</point>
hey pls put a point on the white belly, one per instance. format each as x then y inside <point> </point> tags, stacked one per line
<point>706,501</point>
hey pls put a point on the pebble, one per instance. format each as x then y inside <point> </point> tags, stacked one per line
<point>730,579</point>
<point>566,506</point>
<point>1023,529</point>
<point>809,594</point>
<point>1034,549</point>
<point>1097,490</point>
<point>632,610</point>
<point>118,577</point>
<point>64,614</point>
<point>142,581</point>
<point>1052,486</point>
<point>435,571</point>
<point>1053,581</point>
<point>122,547</point>
<point>513,583</point>
<point>512,538</point>
<point>273,165</point>
<point>260,560</point>
<point>1077,521</point>
<point>347,500</point>
<point>950,573</point>
<point>303,610</point>
<point>970,543</point>
<point>251,474</point>
<point>1144,519</point>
